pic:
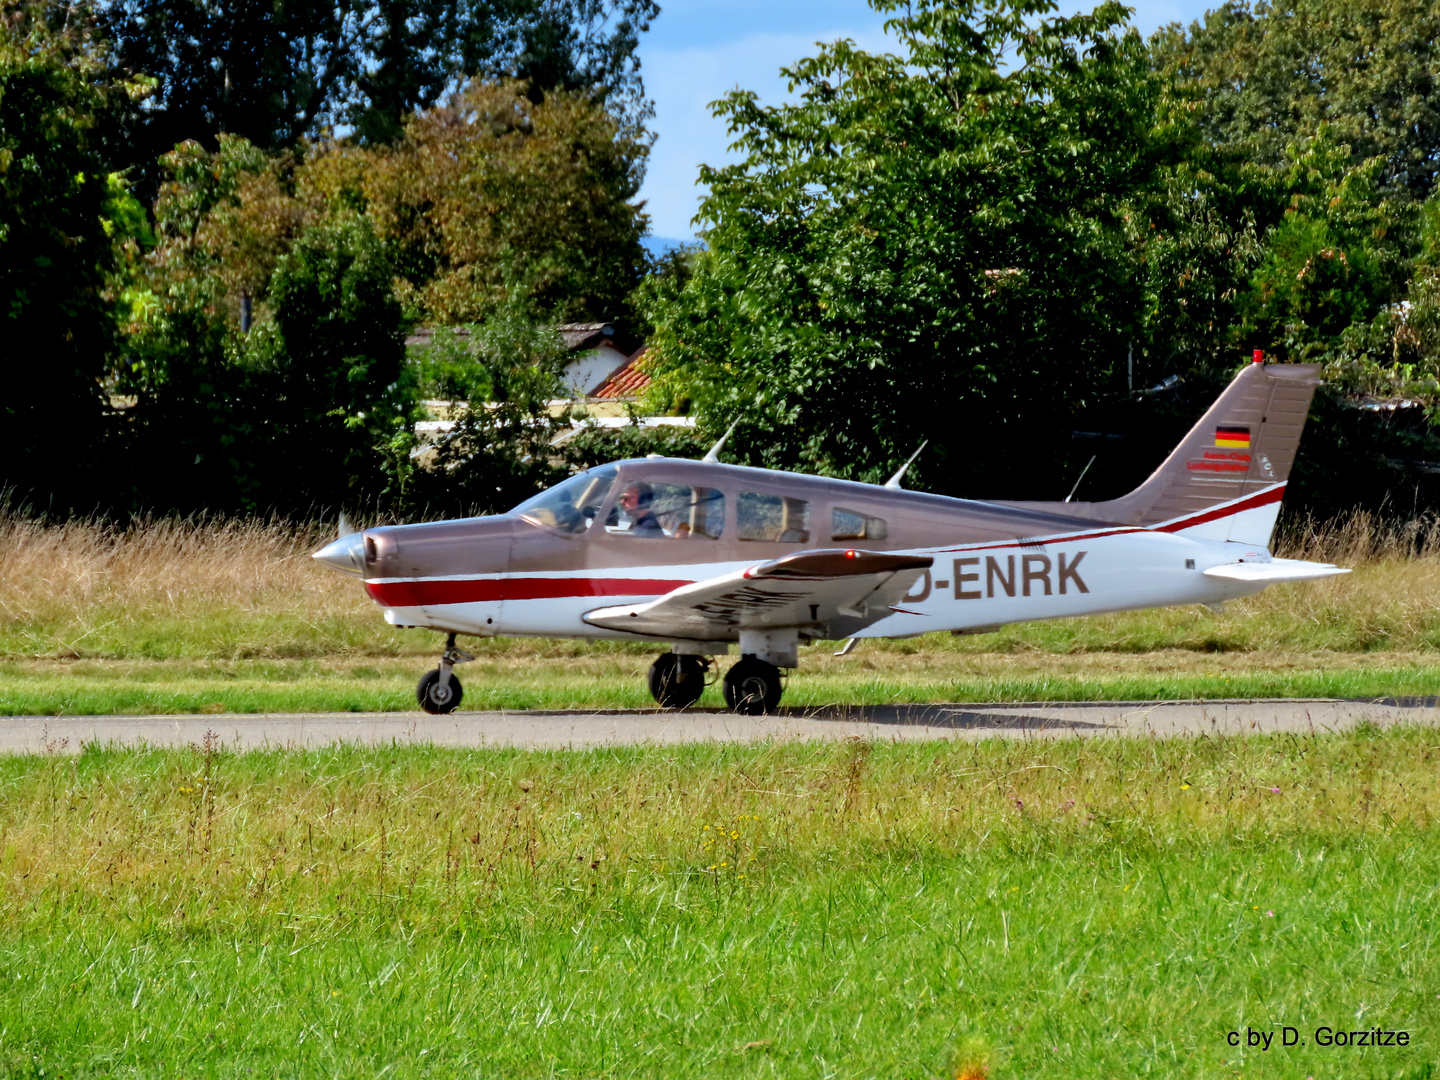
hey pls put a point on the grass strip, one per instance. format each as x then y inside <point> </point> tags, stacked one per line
<point>1087,908</point>
<point>616,680</point>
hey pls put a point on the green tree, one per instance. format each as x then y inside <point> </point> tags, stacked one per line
<point>929,246</point>
<point>490,199</point>
<point>312,409</point>
<point>1272,74</point>
<point>503,374</point>
<point>495,197</point>
<point>55,254</point>
<point>332,368</point>
<point>278,70</point>
<point>1325,267</point>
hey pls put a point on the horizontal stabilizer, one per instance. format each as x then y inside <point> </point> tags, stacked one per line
<point>1275,571</point>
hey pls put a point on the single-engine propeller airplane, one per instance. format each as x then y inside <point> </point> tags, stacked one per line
<point>702,555</point>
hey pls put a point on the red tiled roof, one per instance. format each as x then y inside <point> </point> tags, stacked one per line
<point>626,381</point>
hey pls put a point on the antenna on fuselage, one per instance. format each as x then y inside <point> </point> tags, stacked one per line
<point>714,454</point>
<point>1081,477</point>
<point>894,482</point>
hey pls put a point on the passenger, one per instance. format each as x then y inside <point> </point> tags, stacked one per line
<point>635,503</point>
<point>792,522</point>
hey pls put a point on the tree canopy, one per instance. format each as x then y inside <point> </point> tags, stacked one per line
<point>277,71</point>
<point>1001,240</point>
<point>485,202</point>
<point>1266,75</point>
<point>926,246</point>
<point>56,205</point>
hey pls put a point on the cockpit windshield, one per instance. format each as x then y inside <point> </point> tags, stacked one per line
<point>570,506</point>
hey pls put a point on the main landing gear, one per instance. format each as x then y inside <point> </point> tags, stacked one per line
<point>677,679</point>
<point>752,686</point>
<point>440,691</point>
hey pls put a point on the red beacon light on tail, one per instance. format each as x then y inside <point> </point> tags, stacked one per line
<point>1258,358</point>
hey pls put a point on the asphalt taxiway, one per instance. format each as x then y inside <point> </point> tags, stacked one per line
<point>586,729</point>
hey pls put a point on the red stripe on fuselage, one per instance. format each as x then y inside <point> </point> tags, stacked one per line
<point>482,590</point>
<point>1263,498</point>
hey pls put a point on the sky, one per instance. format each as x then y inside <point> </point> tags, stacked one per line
<point>698,50</point>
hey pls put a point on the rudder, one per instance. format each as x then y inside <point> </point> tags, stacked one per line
<point>1225,479</point>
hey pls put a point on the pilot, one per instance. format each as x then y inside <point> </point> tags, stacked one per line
<point>635,502</point>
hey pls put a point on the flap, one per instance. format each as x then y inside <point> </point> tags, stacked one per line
<point>828,593</point>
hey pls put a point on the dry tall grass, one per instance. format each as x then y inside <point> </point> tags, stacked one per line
<point>244,589</point>
<point>237,588</point>
<point>1359,539</point>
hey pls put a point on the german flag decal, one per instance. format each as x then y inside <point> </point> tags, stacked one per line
<point>1232,437</point>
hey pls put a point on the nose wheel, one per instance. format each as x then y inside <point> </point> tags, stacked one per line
<point>439,691</point>
<point>677,681</point>
<point>753,687</point>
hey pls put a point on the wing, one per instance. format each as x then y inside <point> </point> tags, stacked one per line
<point>1274,571</point>
<point>832,593</point>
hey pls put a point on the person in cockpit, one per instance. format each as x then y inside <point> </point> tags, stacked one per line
<point>635,502</point>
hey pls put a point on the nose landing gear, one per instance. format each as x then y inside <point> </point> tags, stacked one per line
<point>440,691</point>
<point>677,680</point>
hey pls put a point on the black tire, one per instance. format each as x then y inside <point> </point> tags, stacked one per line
<point>432,699</point>
<point>752,687</point>
<point>676,681</point>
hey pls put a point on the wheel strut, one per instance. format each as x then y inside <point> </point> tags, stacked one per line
<point>452,655</point>
<point>440,691</point>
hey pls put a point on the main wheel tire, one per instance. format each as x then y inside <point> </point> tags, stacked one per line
<point>676,681</point>
<point>752,687</point>
<point>435,699</point>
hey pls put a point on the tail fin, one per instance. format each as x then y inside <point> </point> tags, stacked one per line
<point>1226,478</point>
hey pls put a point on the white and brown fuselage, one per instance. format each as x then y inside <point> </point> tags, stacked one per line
<point>988,564</point>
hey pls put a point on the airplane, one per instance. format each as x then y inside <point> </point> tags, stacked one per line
<point>702,555</point>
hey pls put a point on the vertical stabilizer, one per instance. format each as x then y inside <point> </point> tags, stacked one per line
<point>1226,478</point>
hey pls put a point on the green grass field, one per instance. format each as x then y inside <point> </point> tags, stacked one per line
<point>1088,909</point>
<point>547,675</point>
<point>1004,909</point>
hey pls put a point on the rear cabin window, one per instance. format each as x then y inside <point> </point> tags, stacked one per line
<point>773,517</point>
<point>674,511</point>
<point>853,525</point>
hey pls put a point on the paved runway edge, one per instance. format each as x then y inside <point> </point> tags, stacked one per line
<point>542,730</point>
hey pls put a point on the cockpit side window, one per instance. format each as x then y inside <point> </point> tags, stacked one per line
<point>572,505</point>
<point>654,510</point>
<point>775,518</point>
<point>853,525</point>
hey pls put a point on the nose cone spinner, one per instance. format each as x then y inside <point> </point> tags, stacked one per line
<point>346,553</point>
